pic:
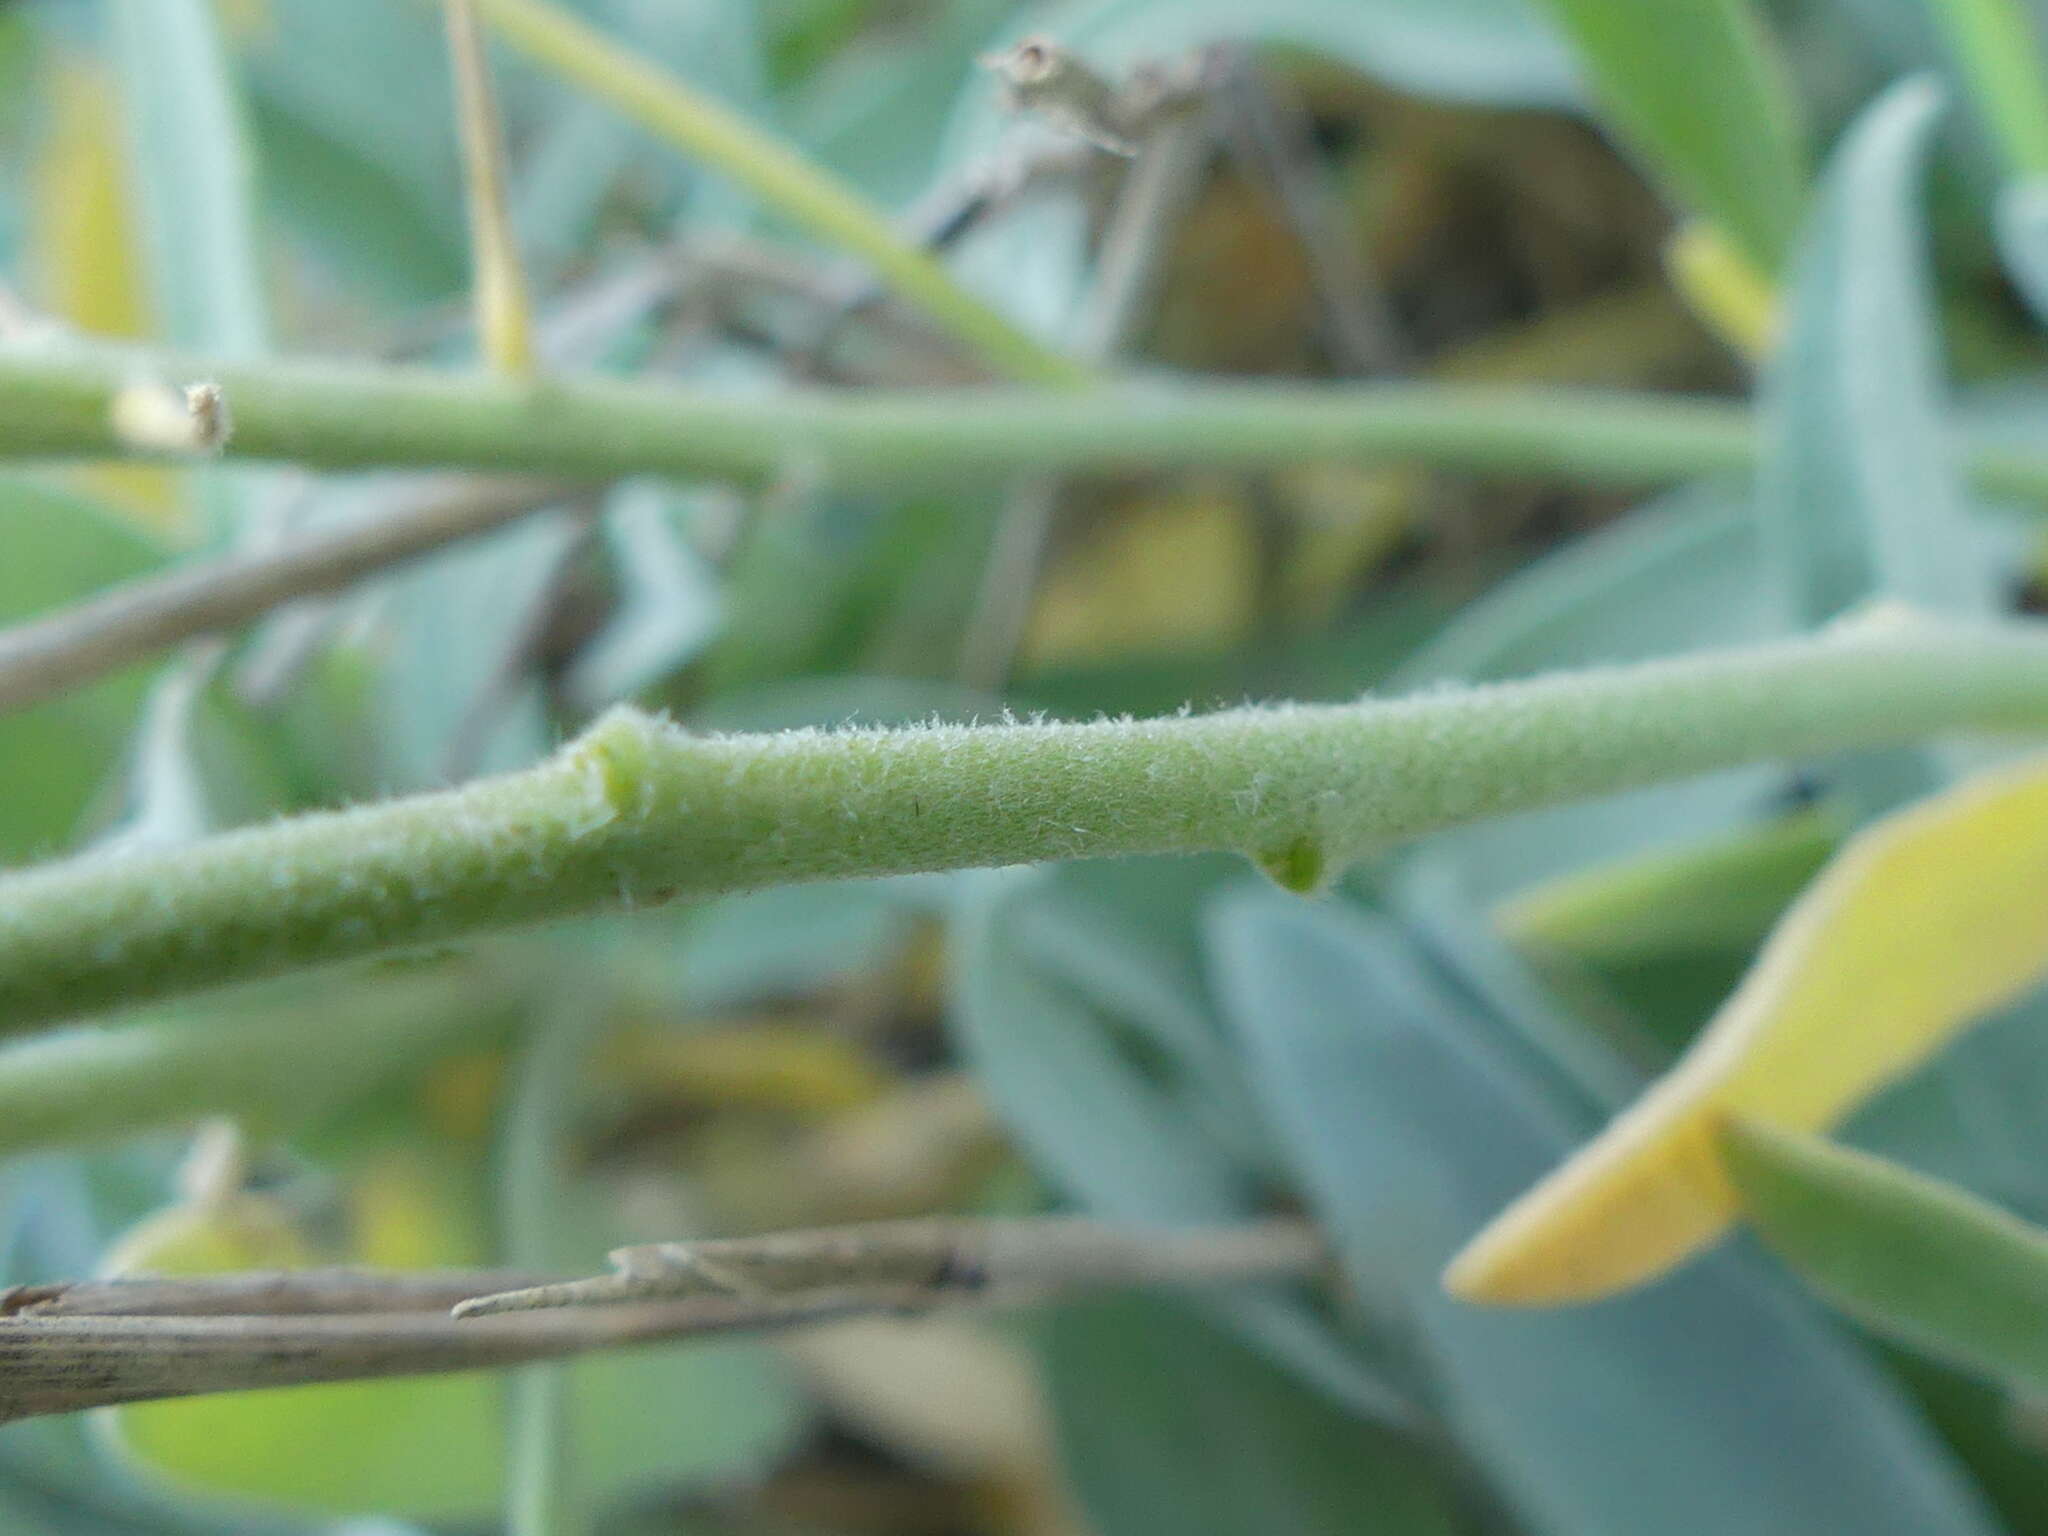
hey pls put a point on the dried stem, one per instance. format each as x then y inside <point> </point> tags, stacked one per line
<point>126,623</point>
<point>909,1264</point>
<point>66,1347</point>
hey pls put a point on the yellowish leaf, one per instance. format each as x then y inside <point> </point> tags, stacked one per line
<point>1173,574</point>
<point>1732,296</point>
<point>791,1066</point>
<point>1922,923</point>
<point>82,250</point>
<point>84,247</point>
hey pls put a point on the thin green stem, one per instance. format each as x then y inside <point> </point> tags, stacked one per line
<point>343,416</point>
<point>498,291</point>
<point>805,194</point>
<point>638,812</point>
<point>543,1228</point>
<point>1999,54</point>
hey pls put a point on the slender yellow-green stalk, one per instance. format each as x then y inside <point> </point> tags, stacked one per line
<point>504,313</point>
<point>801,192</point>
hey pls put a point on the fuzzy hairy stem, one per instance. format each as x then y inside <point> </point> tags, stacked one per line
<point>638,812</point>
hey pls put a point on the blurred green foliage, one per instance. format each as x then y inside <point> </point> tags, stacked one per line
<point>1151,1041</point>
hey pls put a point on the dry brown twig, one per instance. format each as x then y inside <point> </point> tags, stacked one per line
<point>129,622</point>
<point>90,1344</point>
<point>1049,81</point>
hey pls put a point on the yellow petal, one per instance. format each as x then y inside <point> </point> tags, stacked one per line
<point>1922,923</point>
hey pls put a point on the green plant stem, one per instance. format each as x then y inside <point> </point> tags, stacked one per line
<point>801,192</point>
<point>498,288</point>
<point>1999,54</point>
<point>543,1227</point>
<point>341,416</point>
<point>638,812</point>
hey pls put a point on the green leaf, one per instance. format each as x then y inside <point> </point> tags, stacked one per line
<point>546,1227</point>
<point>194,174</point>
<point>582,151</point>
<point>1859,494</point>
<point>870,111</point>
<point>1121,934</point>
<point>1559,1052</point>
<point>764,946</point>
<point>1697,88</point>
<point>1169,1427</point>
<point>1912,1256</point>
<point>2023,240</point>
<point>1112,1135</point>
<point>1688,1408</point>
<point>1676,574</point>
<point>668,604</point>
<point>1998,51</point>
<point>312,57</point>
<point>1716,893</point>
<point>1106,1132</point>
<point>363,225</point>
<point>59,755</point>
<point>456,679</point>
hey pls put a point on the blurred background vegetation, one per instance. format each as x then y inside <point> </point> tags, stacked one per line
<point>1357,189</point>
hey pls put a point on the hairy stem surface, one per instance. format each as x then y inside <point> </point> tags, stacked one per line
<point>638,812</point>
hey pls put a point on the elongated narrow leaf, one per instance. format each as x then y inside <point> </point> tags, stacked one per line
<point>1923,923</point>
<point>60,754</point>
<point>192,176</point>
<point>1112,1136</point>
<point>1719,891</point>
<point>1690,1410</point>
<point>2023,240</point>
<point>1106,1133</point>
<point>1696,87</point>
<point>1996,46</point>
<point>1860,498</point>
<point>1913,1256</point>
<point>668,600</point>
<point>193,173</point>
<point>1169,1427</point>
